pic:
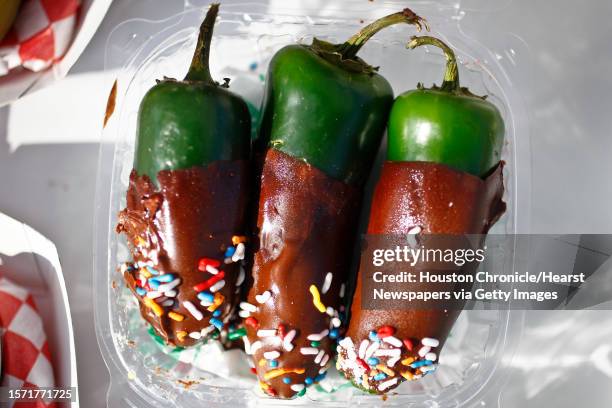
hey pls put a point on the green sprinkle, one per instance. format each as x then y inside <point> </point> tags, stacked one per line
<point>315,343</point>
<point>237,334</point>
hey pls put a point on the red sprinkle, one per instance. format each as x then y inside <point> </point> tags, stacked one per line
<point>385,331</point>
<point>253,370</point>
<point>408,344</point>
<point>204,262</point>
<point>251,321</point>
<point>363,364</point>
<point>205,285</point>
<point>282,331</point>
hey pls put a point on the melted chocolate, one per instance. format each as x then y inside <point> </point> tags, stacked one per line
<point>437,200</point>
<point>307,222</point>
<point>192,215</point>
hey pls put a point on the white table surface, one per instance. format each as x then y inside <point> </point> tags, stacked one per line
<point>48,159</point>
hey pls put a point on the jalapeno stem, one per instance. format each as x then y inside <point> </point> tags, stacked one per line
<point>352,46</point>
<point>451,74</point>
<point>199,69</point>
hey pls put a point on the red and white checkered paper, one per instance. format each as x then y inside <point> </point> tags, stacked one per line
<point>42,32</point>
<point>26,362</point>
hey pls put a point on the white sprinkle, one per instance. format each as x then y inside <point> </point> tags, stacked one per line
<point>255,346</point>
<point>167,303</point>
<point>211,269</point>
<point>287,345</point>
<point>319,356</point>
<point>264,297</point>
<point>248,307</point>
<point>124,268</point>
<point>239,254</point>
<point>207,330</point>
<point>394,341</point>
<point>217,286</point>
<point>384,385</point>
<point>411,238</point>
<point>371,349</point>
<point>266,332</point>
<point>170,293</point>
<point>336,322</point>
<point>388,352</point>
<point>327,283</point>
<point>247,345</point>
<point>347,343</point>
<point>392,361</point>
<point>241,276</point>
<point>193,310</point>
<point>154,294</point>
<point>428,368</point>
<point>309,350</point>
<point>195,335</point>
<point>297,387</point>
<point>415,230</point>
<point>330,311</point>
<point>424,350</point>
<point>167,287</point>
<point>350,353</point>
<point>428,341</point>
<point>342,289</point>
<point>244,313</point>
<point>324,361</point>
<point>318,336</point>
<point>450,204</point>
<point>362,348</point>
<point>431,356</point>
<point>271,355</point>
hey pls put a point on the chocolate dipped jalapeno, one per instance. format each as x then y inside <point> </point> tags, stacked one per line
<point>325,112</point>
<point>443,175</point>
<point>185,217</point>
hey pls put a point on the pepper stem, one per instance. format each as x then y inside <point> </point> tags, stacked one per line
<point>199,69</point>
<point>351,47</point>
<point>451,75</point>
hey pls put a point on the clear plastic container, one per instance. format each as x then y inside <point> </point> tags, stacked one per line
<point>145,373</point>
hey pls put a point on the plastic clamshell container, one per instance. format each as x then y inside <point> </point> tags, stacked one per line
<point>30,260</point>
<point>145,373</point>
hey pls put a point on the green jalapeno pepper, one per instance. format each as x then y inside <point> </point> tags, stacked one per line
<point>193,122</point>
<point>328,107</point>
<point>446,124</point>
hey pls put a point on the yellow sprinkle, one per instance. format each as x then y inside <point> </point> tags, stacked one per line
<point>262,362</point>
<point>181,334</point>
<point>407,375</point>
<point>408,361</point>
<point>176,316</point>
<point>316,299</point>
<point>145,272</point>
<point>280,371</point>
<point>157,309</point>
<point>141,241</point>
<point>364,380</point>
<point>264,386</point>
<point>217,301</point>
<point>237,239</point>
<point>386,370</point>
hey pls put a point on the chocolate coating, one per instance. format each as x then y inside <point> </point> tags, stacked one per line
<point>438,200</point>
<point>192,215</point>
<point>306,221</point>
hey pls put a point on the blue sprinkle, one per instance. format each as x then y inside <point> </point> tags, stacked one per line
<point>253,66</point>
<point>287,380</point>
<point>140,291</point>
<point>373,336</point>
<point>373,361</point>
<point>206,296</point>
<point>230,251</point>
<point>421,363</point>
<point>152,270</point>
<point>217,323</point>
<point>308,380</point>
<point>131,268</point>
<point>168,277</point>
<point>217,313</point>
<point>333,333</point>
<point>320,376</point>
<point>380,376</point>
<point>273,363</point>
<point>153,283</point>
